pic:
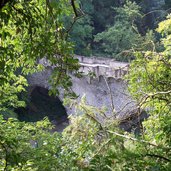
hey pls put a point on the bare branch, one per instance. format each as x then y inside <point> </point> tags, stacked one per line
<point>74,8</point>
<point>133,139</point>
<point>146,97</point>
<point>158,156</point>
<point>93,118</point>
<point>110,92</point>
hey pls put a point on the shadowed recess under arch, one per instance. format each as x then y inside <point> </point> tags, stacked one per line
<point>42,105</point>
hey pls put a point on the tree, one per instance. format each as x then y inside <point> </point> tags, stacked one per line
<point>31,30</point>
<point>97,15</point>
<point>88,143</point>
<point>119,39</point>
<point>103,14</point>
<point>82,31</point>
<point>105,147</point>
<point>150,85</point>
<point>168,4</point>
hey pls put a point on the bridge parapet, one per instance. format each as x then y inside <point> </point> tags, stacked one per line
<point>98,66</point>
<point>103,67</point>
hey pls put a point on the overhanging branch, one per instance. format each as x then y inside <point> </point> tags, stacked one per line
<point>74,7</point>
<point>158,156</point>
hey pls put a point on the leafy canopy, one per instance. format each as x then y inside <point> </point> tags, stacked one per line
<point>31,30</point>
<point>123,37</point>
<point>87,144</point>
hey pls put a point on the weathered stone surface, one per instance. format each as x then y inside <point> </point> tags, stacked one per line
<point>99,92</point>
<point>105,88</point>
<point>103,67</point>
<point>40,79</point>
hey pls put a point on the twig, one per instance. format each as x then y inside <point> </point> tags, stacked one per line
<point>133,139</point>
<point>74,7</point>
<point>71,26</point>
<point>102,146</point>
<point>92,117</point>
<point>158,156</point>
<point>110,92</point>
<point>75,18</point>
<point>144,99</point>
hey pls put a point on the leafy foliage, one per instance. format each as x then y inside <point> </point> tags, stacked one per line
<point>150,85</point>
<point>34,29</point>
<point>122,20</point>
<point>28,146</point>
<point>87,144</point>
<point>82,31</point>
<point>119,39</point>
<point>96,145</point>
<point>30,31</point>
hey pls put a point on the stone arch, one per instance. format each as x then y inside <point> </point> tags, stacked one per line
<point>42,105</point>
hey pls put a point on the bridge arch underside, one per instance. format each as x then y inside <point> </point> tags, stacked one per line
<point>41,105</point>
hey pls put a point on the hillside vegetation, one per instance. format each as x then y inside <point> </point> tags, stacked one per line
<point>31,30</point>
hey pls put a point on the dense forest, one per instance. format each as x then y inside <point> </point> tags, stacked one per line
<point>110,28</point>
<point>138,31</point>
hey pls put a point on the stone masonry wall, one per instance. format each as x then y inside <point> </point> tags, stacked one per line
<point>105,88</point>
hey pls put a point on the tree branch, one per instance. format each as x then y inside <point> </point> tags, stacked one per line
<point>151,95</point>
<point>133,139</point>
<point>157,156</point>
<point>74,7</point>
<point>111,97</point>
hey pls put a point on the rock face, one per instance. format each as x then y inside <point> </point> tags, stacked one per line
<point>39,79</point>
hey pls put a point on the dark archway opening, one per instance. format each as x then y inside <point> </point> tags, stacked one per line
<point>42,105</point>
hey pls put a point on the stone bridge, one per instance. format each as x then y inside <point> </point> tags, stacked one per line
<point>97,67</point>
<point>105,88</point>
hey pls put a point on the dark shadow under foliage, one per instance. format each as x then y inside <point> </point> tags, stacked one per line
<point>42,105</point>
